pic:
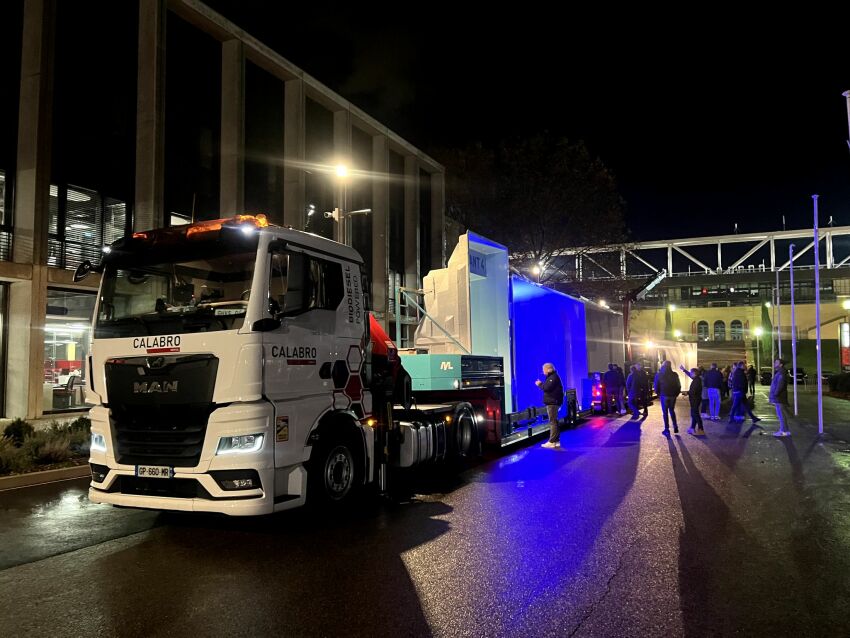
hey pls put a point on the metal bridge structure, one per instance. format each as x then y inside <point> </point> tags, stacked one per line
<point>713,255</point>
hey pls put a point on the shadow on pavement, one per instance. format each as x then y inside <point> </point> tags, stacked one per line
<point>295,573</point>
<point>819,556</point>
<point>713,549</point>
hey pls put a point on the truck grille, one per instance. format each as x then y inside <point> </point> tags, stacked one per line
<point>165,426</point>
<point>157,437</point>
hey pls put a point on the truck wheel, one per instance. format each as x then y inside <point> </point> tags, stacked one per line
<point>464,431</point>
<point>403,391</point>
<point>334,476</point>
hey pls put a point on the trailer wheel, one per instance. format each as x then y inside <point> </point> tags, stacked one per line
<point>334,476</point>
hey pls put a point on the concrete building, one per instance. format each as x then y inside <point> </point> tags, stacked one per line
<point>173,114</point>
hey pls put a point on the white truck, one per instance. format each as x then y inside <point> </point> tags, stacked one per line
<point>235,368</point>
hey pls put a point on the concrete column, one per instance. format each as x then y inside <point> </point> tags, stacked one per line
<point>411,222</point>
<point>438,226</point>
<point>669,261</point>
<point>28,299</point>
<point>380,226</point>
<point>342,155</point>
<point>232,189</point>
<point>150,116</point>
<point>25,354</point>
<point>294,150</point>
<point>35,131</point>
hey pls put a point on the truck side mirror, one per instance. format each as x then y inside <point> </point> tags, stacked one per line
<point>83,271</point>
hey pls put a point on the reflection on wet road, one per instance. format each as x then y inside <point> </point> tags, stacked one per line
<point>621,532</point>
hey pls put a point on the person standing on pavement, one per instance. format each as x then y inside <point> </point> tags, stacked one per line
<point>739,396</point>
<point>668,387</point>
<point>695,397</point>
<point>779,397</point>
<point>633,390</point>
<point>614,389</point>
<point>553,397</point>
<point>727,380</point>
<point>751,379</point>
<point>643,388</point>
<point>713,382</point>
<point>621,379</point>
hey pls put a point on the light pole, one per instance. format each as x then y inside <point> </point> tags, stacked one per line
<point>793,325</point>
<point>536,271</point>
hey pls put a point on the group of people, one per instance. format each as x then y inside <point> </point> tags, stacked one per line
<point>705,393</point>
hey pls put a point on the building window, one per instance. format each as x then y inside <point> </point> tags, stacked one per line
<point>81,223</point>
<point>67,332</point>
<point>737,330</point>
<point>5,220</point>
<point>702,331</point>
<point>719,331</point>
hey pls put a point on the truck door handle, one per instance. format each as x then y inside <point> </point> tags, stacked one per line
<point>325,370</point>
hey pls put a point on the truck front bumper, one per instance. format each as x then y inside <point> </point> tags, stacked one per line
<point>201,488</point>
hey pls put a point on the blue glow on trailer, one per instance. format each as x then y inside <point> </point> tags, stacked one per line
<point>548,326</point>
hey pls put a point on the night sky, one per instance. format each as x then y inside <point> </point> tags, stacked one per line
<point>706,120</point>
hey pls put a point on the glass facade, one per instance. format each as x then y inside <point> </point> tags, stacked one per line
<point>81,223</point>
<point>192,121</point>
<point>67,333</point>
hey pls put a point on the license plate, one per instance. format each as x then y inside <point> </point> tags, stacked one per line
<point>154,471</point>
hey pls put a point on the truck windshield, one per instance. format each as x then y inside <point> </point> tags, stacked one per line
<point>206,293</point>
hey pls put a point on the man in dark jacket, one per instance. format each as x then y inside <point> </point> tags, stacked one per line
<point>779,397</point>
<point>713,381</point>
<point>695,398</point>
<point>668,387</point>
<point>613,381</point>
<point>643,388</point>
<point>751,379</point>
<point>739,395</point>
<point>633,390</point>
<point>553,397</point>
<point>621,382</point>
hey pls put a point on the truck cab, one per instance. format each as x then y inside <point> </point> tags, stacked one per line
<point>227,361</point>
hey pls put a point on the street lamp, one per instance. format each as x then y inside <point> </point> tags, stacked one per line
<point>677,334</point>
<point>758,332</point>
<point>536,271</point>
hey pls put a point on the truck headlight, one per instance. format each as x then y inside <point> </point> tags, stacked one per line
<point>98,442</point>
<point>242,443</point>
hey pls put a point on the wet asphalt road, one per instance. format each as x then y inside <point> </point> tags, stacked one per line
<point>623,532</point>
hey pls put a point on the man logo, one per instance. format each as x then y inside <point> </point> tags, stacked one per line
<point>154,387</point>
<point>446,365</point>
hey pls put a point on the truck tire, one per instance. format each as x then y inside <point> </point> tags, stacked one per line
<point>334,475</point>
<point>465,431</point>
<point>403,391</point>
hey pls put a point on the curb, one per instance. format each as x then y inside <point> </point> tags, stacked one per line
<point>46,476</point>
